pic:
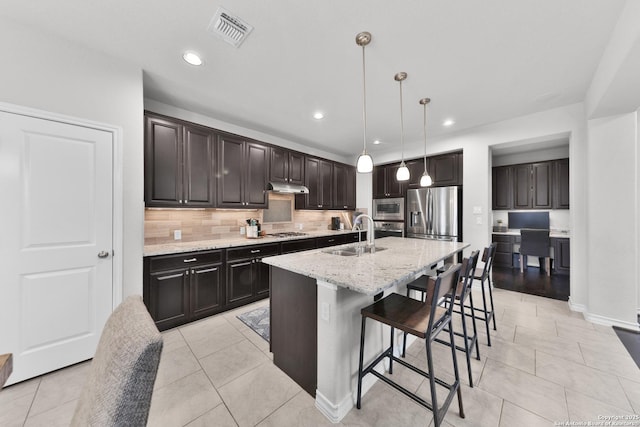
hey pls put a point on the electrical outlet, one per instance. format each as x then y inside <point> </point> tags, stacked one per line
<point>479,220</point>
<point>242,231</point>
<point>177,234</point>
<point>325,311</point>
<point>300,226</point>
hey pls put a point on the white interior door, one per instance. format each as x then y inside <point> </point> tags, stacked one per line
<point>56,279</point>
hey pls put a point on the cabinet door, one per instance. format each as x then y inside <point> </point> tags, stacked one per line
<point>279,165</point>
<point>199,177</point>
<point>240,277</point>
<point>163,163</point>
<point>562,259</point>
<point>350,190</point>
<point>230,172</point>
<point>501,186</point>
<point>339,186</point>
<point>312,174</point>
<point>522,187</point>
<point>326,184</point>
<point>542,185</point>
<point>561,184</point>
<point>379,182</point>
<point>257,173</point>
<point>169,297</point>
<point>445,170</point>
<point>394,188</point>
<point>296,168</point>
<point>262,278</point>
<point>206,290</point>
<point>416,169</point>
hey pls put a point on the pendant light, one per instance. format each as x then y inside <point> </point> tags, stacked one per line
<point>425,179</point>
<point>365,162</point>
<point>403,171</point>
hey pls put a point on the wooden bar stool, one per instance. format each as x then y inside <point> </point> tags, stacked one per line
<point>424,320</point>
<point>484,275</point>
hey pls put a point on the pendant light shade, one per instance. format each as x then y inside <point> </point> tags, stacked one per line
<point>425,179</point>
<point>365,162</point>
<point>403,171</point>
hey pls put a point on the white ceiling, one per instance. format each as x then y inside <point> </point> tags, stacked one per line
<point>479,61</point>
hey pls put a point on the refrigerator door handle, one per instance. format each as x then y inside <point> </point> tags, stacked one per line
<point>414,218</point>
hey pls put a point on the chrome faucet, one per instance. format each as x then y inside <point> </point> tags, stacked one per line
<point>371,245</point>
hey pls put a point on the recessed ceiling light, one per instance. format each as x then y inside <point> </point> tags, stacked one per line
<point>376,142</point>
<point>192,58</point>
<point>318,115</point>
<point>448,122</point>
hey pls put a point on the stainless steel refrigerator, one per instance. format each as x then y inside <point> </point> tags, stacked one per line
<point>434,213</point>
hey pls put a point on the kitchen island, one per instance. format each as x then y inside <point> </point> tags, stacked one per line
<point>316,297</point>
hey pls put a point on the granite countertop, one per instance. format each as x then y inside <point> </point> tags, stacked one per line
<point>401,261</point>
<point>201,245</point>
<point>553,233</point>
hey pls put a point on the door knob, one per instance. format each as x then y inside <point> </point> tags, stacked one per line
<point>103,254</point>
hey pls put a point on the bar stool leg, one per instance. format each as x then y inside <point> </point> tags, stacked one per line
<point>467,351</point>
<point>473,321</point>
<point>432,382</point>
<point>493,311</point>
<point>360,363</point>
<point>486,313</point>
<point>391,358</point>
<point>455,371</point>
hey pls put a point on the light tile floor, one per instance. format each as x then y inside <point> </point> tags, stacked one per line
<point>546,364</point>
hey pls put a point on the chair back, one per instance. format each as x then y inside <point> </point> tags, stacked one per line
<point>123,371</point>
<point>487,259</point>
<point>535,242</point>
<point>466,273</point>
<point>445,284</point>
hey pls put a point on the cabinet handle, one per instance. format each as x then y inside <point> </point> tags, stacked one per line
<point>319,206</point>
<point>208,270</point>
<point>186,273</point>
<point>190,260</point>
<point>173,276</point>
<point>331,240</point>
<point>255,251</point>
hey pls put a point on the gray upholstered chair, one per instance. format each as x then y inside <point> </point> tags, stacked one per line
<point>536,243</point>
<point>123,371</point>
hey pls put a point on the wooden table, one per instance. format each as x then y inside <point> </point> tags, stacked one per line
<point>6,367</point>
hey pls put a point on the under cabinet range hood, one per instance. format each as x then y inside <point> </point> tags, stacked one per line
<point>279,187</point>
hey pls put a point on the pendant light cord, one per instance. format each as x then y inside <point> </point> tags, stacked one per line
<point>425,136</point>
<point>401,124</point>
<point>364,104</point>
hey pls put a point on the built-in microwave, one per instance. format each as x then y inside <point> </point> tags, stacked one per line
<point>388,209</point>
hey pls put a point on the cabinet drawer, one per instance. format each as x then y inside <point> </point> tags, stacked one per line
<point>255,251</point>
<point>298,245</point>
<point>325,241</point>
<point>354,237</point>
<point>189,259</point>
<point>503,238</point>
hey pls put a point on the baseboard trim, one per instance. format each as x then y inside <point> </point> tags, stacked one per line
<point>581,308</point>
<point>608,321</point>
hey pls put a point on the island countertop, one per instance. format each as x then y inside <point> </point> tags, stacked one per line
<point>396,261</point>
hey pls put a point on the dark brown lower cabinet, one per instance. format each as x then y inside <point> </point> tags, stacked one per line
<point>504,250</point>
<point>182,288</point>
<point>561,255</point>
<point>247,276</point>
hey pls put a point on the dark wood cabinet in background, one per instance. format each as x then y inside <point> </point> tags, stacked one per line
<point>541,185</point>
<point>286,166</point>
<point>179,165</point>
<point>445,169</point>
<point>504,250</point>
<point>319,180</point>
<point>185,287</point>
<point>561,255</point>
<point>243,173</point>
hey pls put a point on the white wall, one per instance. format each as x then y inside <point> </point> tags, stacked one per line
<point>42,72</point>
<point>613,219</point>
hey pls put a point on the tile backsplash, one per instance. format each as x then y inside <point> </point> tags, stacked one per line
<point>210,224</point>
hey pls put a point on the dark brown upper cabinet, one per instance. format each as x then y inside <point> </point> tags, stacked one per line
<point>541,185</point>
<point>319,180</point>
<point>445,169</point>
<point>286,166</point>
<point>502,187</point>
<point>385,183</point>
<point>242,173</point>
<point>561,184</point>
<point>344,186</point>
<point>179,164</point>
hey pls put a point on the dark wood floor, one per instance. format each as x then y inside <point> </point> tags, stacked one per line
<point>532,281</point>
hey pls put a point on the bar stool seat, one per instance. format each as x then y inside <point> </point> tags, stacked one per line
<point>423,320</point>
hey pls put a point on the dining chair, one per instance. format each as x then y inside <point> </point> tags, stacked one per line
<point>123,371</point>
<point>484,276</point>
<point>535,242</point>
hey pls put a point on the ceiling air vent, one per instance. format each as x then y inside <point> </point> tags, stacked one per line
<point>229,28</point>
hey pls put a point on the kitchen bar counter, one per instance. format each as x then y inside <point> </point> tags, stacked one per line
<point>397,261</point>
<point>553,233</point>
<point>315,300</point>
<point>201,245</point>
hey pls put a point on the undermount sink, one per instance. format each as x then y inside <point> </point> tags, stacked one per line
<point>351,251</point>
